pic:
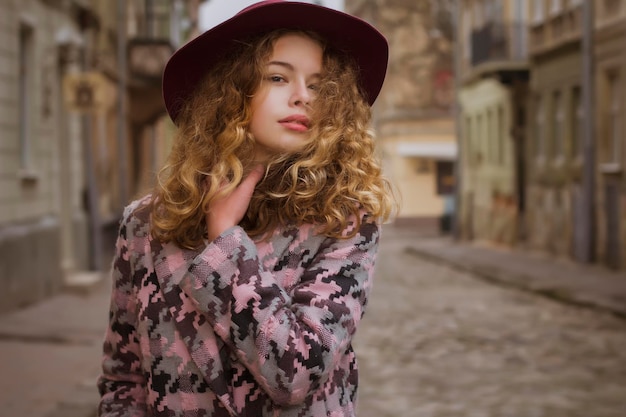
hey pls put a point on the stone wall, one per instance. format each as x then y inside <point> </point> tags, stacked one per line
<point>415,104</point>
<point>29,265</point>
<point>419,80</point>
<point>31,131</point>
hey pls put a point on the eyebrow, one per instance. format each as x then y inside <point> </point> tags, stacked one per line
<point>282,64</point>
<point>288,66</point>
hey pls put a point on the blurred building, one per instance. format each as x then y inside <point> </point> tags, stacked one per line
<point>493,87</point>
<point>561,153</point>
<point>542,126</point>
<point>82,130</point>
<point>610,138</point>
<point>555,133</point>
<point>413,115</point>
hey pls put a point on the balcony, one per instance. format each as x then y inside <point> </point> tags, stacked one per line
<point>147,58</point>
<point>499,42</point>
<point>610,17</point>
<point>149,48</point>
<point>556,31</point>
<point>149,45</point>
<point>498,47</point>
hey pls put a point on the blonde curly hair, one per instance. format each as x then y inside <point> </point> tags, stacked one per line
<point>334,176</point>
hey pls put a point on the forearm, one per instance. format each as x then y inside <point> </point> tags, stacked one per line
<point>289,341</point>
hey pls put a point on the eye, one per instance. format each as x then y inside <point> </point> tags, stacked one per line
<point>314,87</point>
<point>276,78</point>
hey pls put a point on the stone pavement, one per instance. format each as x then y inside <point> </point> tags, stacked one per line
<point>50,352</point>
<point>437,341</point>
<point>585,285</point>
<point>433,338</point>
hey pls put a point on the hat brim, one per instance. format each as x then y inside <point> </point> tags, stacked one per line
<point>345,32</point>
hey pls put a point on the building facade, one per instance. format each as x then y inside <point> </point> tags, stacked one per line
<point>82,130</point>
<point>555,135</point>
<point>43,218</point>
<point>561,153</point>
<point>542,126</point>
<point>413,115</point>
<point>493,86</point>
<point>610,103</point>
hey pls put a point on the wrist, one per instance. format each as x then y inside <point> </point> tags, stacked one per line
<point>216,229</point>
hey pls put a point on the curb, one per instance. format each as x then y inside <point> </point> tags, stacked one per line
<point>511,279</point>
<point>85,282</point>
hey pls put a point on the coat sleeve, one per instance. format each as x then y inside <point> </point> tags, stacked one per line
<point>122,384</point>
<point>289,341</point>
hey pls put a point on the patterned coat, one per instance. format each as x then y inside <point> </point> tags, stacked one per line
<point>238,328</point>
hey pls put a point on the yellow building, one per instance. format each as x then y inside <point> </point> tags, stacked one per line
<point>493,86</point>
<point>413,115</point>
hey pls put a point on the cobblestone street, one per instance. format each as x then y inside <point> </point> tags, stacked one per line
<point>436,342</point>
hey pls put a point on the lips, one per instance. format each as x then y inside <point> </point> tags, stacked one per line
<point>297,122</point>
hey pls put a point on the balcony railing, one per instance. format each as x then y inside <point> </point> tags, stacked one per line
<point>150,47</point>
<point>610,11</point>
<point>156,24</point>
<point>557,30</point>
<point>497,41</point>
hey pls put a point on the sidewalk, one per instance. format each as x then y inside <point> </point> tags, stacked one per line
<point>584,285</point>
<point>50,352</point>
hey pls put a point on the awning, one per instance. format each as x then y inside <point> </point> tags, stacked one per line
<point>444,151</point>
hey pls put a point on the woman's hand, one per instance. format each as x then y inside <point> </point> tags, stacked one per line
<point>228,211</point>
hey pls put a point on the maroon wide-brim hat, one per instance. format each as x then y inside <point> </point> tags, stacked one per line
<point>343,31</point>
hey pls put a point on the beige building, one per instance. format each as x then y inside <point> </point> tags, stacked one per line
<point>610,82</point>
<point>493,86</point>
<point>413,115</point>
<point>43,220</point>
<point>81,118</point>
<point>559,157</point>
<point>555,134</point>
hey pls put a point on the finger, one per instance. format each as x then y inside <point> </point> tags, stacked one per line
<point>249,183</point>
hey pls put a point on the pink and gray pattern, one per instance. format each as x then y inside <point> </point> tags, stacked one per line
<point>238,328</point>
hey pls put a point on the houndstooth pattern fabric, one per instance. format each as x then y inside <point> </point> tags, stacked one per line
<point>238,328</point>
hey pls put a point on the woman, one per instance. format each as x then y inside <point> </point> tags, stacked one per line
<point>240,281</point>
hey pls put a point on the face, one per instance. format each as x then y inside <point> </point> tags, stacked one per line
<point>281,107</point>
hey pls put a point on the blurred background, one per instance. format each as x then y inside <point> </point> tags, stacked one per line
<point>502,123</point>
<point>513,135</point>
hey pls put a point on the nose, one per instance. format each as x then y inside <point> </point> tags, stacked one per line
<point>301,95</point>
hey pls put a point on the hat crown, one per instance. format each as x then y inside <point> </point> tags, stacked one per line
<point>259,4</point>
<point>348,34</point>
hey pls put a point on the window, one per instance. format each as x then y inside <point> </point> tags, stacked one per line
<point>468,150</point>
<point>467,34</point>
<point>502,137</point>
<point>480,140</point>
<point>538,12</point>
<point>476,16</point>
<point>576,120</point>
<point>539,141</point>
<point>519,33</point>
<point>490,137</point>
<point>612,7</point>
<point>556,6</point>
<point>25,94</point>
<point>575,3</point>
<point>559,119</point>
<point>489,11</point>
<point>614,124</point>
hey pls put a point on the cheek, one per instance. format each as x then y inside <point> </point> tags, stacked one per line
<point>255,123</point>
